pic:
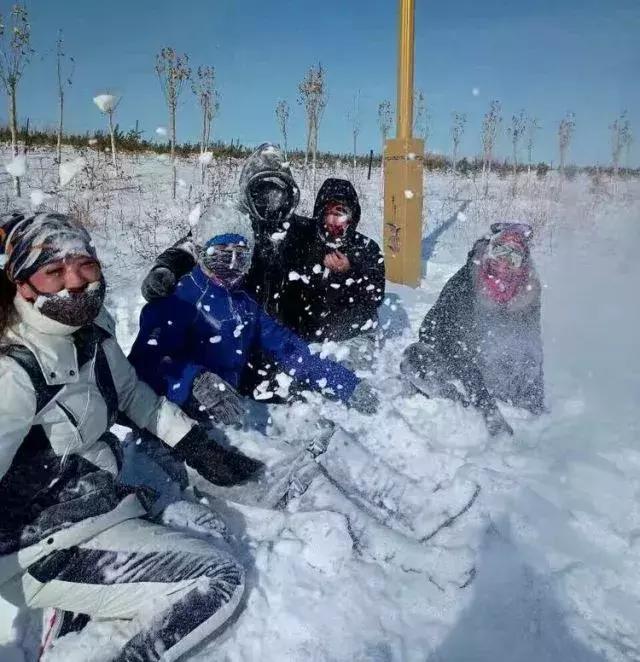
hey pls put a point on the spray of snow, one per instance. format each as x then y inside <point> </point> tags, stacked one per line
<point>37,197</point>
<point>70,169</point>
<point>106,102</point>
<point>17,167</point>
<point>194,215</point>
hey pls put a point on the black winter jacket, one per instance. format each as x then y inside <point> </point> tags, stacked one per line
<point>496,354</point>
<point>318,304</point>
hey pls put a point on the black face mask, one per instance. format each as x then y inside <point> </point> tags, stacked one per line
<point>272,199</point>
<point>72,308</point>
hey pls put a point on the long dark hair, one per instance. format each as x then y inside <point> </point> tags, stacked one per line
<point>7,294</point>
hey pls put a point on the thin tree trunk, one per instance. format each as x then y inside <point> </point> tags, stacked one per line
<point>203,142</point>
<point>173,151</point>
<point>60,125</point>
<point>315,151</point>
<point>355,140</point>
<point>61,103</point>
<point>113,141</point>
<point>14,133</point>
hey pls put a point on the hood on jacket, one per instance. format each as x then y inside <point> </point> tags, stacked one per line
<point>338,190</point>
<point>224,219</point>
<point>267,162</point>
<point>510,287</point>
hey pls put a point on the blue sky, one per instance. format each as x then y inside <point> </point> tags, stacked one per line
<point>545,56</point>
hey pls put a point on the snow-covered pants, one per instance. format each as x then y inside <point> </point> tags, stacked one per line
<point>175,589</point>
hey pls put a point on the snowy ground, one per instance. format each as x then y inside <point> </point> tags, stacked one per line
<point>550,549</point>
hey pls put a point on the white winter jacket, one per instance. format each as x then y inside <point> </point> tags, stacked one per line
<point>57,466</point>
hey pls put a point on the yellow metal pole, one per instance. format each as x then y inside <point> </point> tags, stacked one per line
<point>403,169</point>
<point>404,120</point>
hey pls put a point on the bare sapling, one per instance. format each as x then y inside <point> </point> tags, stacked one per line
<point>516,131</point>
<point>203,87</point>
<point>385,120</point>
<point>565,134</point>
<point>620,129</point>
<point>312,95</point>
<point>15,53</point>
<point>282,116</point>
<point>490,125</point>
<point>458,123</point>
<point>65,67</point>
<point>107,103</point>
<point>173,70</point>
<point>419,110</point>
<point>355,120</point>
<point>532,128</point>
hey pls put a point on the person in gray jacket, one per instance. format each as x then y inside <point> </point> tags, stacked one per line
<point>71,537</point>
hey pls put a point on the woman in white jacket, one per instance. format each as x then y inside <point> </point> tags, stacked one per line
<point>71,537</point>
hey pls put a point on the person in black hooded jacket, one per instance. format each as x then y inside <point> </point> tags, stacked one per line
<point>268,195</point>
<point>337,278</point>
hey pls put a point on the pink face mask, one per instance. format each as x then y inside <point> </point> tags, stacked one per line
<point>504,270</point>
<point>336,219</point>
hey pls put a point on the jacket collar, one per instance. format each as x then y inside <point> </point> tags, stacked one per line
<point>31,316</point>
<point>51,342</point>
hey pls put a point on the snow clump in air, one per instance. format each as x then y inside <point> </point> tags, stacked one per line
<point>106,102</point>
<point>70,169</point>
<point>18,166</point>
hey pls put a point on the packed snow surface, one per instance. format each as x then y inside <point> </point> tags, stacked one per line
<point>541,557</point>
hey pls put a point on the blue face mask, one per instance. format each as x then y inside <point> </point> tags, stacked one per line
<point>228,264</point>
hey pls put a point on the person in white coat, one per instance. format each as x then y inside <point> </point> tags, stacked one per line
<point>71,537</point>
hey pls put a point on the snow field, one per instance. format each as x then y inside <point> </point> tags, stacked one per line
<point>548,547</point>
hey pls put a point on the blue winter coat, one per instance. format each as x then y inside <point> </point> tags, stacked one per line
<point>203,326</point>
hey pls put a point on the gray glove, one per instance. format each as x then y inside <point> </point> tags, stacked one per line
<point>158,283</point>
<point>195,517</point>
<point>218,399</point>
<point>364,399</point>
<point>496,423</point>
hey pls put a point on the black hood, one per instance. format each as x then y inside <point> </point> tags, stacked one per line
<point>266,162</point>
<point>340,190</point>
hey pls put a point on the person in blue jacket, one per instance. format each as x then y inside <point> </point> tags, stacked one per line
<point>195,346</point>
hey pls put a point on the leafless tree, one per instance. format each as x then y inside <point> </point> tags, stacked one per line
<point>628,141</point>
<point>15,53</point>
<point>532,127</point>
<point>282,115</point>
<point>565,133</point>
<point>107,103</point>
<point>313,96</point>
<point>203,86</point>
<point>516,131</point>
<point>173,70</point>
<point>490,125</point>
<point>65,74</point>
<point>355,120</point>
<point>426,132</point>
<point>620,135</point>
<point>458,123</point>
<point>419,110</point>
<point>385,119</point>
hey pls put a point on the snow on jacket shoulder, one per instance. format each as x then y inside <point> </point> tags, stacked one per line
<point>57,466</point>
<point>205,327</point>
